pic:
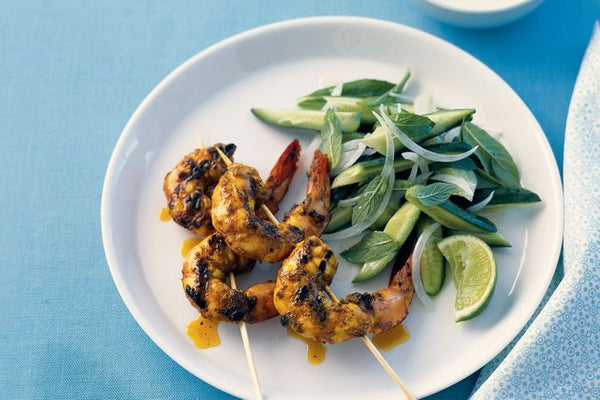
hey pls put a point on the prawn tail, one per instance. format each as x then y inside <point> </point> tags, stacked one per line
<point>402,278</point>
<point>319,181</point>
<point>281,175</point>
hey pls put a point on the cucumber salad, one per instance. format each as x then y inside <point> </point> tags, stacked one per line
<point>410,178</point>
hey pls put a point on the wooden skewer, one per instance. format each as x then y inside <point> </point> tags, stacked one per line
<point>243,330</point>
<point>199,139</point>
<point>386,366</point>
<point>247,350</point>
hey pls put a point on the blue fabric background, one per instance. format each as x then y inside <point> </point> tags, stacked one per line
<point>71,74</point>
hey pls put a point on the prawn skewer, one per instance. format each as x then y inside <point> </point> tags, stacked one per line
<point>364,338</point>
<point>285,167</point>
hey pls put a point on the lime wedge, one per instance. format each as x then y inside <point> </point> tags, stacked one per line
<point>473,268</point>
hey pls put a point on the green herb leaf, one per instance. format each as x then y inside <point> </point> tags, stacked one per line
<point>331,133</point>
<point>434,194</point>
<point>488,180</point>
<point>415,126</point>
<point>466,164</point>
<point>464,180</point>
<point>369,200</point>
<point>358,88</point>
<point>389,96</point>
<point>374,246</point>
<point>494,158</point>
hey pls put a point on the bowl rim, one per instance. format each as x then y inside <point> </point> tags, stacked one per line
<point>463,6</point>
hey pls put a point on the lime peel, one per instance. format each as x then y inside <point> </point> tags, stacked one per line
<point>474,271</point>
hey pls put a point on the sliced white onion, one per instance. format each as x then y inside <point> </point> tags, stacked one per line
<point>418,160</point>
<point>351,151</point>
<point>451,135</point>
<point>387,172</point>
<point>416,265</point>
<point>424,104</point>
<point>476,207</point>
<point>387,124</point>
<point>402,98</point>
<point>413,173</point>
<point>467,190</point>
<point>337,90</point>
<point>369,151</point>
<point>422,178</point>
<point>349,202</point>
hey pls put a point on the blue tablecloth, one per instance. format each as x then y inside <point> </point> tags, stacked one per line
<point>71,74</point>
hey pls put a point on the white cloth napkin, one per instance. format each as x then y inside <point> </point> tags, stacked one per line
<point>558,357</point>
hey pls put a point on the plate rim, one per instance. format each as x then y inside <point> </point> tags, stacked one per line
<point>111,173</point>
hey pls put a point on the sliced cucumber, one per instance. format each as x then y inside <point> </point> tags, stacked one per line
<point>398,227</point>
<point>493,239</point>
<point>388,212</point>
<point>452,216</point>
<point>305,119</point>
<point>348,136</point>
<point>340,217</point>
<point>432,260</point>
<point>352,104</point>
<point>444,121</point>
<point>365,170</point>
<point>506,196</point>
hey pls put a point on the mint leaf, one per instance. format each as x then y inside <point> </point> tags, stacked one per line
<point>434,194</point>
<point>389,96</point>
<point>494,158</point>
<point>358,88</point>
<point>413,125</point>
<point>369,200</point>
<point>331,133</point>
<point>374,246</point>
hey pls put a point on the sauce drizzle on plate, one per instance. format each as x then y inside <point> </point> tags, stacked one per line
<point>315,351</point>
<point>392,338</point>
<point>203,332</point>
<point>189,244</point>
<point>164,214</point>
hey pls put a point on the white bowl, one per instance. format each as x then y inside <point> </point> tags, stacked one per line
<point>478,13</point>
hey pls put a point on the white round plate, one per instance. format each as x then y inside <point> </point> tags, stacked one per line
<point>272,66</point>
<point>478,13</point>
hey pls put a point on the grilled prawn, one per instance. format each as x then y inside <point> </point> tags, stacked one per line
<point>189,186</point>
<point>240,192</point>
<point>205,269</point>
<point>299,298</point>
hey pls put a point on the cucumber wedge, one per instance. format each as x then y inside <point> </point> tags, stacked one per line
<point>348,104</point>
<point>388,212</point>
<point>365,170</point>
<point>432,260</point>
<point>452,216</point>
<point>444,121</point>
<point>305,119</point>
<point>506,196</point>
<point>398,227</point>
<point>340,217</point>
